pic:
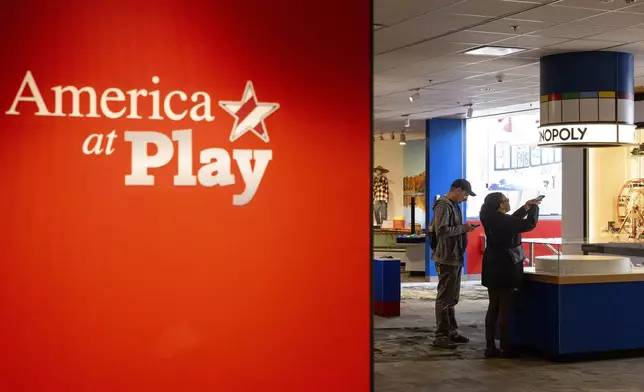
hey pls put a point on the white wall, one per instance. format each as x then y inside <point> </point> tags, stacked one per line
<point>389,154</point>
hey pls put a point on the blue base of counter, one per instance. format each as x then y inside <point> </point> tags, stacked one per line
<point>579,319</point>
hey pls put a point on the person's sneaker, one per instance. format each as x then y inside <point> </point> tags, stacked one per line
<point>492,353</point>
<point>445,343</point>
<point>459,339</point>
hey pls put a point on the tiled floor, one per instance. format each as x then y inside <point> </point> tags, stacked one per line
<point>406,362</point>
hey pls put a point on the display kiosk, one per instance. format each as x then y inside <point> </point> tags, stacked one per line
<point>580,305</point>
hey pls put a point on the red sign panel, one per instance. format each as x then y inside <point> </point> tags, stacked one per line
<point>185,196</point>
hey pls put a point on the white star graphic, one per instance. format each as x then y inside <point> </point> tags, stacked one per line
<point>251,117</point>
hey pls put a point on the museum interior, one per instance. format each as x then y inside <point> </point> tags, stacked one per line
<point>536,98</point>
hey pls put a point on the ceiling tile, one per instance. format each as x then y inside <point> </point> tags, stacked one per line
<point>505,26</point>
<point>636,48</point>
<point>614,19</point>
<point>634,9</point>
<point>425,39</point>
<point>497,65</point>
<point>389,12</point>
<point>574,31</point>
<point>452,74</point>
<point>490,8</point>
<point>421,68</point>
<point>431,49</point>
<point>421,28</point>
<point>581,45</point>
<point>529,70</point>
<point>594,4</point>
<point>556,14</point>
<point>387,61</point>
<point>475,37</point>
<point>621,35</point>
<point>530,41</point>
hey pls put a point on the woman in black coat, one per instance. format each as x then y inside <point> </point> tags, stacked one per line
<point>503,263</point>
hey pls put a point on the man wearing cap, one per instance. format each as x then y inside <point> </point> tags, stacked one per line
<point>449,243</point>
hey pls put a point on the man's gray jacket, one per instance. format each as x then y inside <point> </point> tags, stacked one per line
<point>450,233</point>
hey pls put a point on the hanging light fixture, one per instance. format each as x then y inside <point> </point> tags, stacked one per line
<point>382,136</point>
<point>470,111</point>
<point>393,135</point>
<point>403,138</point>
<point>407,121</point>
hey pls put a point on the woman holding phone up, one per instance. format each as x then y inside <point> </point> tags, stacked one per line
<point>503,259</point>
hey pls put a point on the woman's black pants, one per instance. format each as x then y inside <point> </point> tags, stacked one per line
<point>498,314</point>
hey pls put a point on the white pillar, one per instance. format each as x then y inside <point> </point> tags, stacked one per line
<point>572,194</point>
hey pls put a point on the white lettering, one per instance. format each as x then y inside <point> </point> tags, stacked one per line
<point>167,107</point>
<point>215,169</point>
<point>205,105</point>
<point>29,80</point>
<point>109,149</point>
<point>562,134</point>
<point>155,101</point>
<point>252,177</point>
<point>59,90</point>
<point>197,106</point>
<point>95,148</point>
<point>184,175</point>
<point>134,102</point>
<point>107,97</point>
<point>141,161</point>
<point>217,172</point>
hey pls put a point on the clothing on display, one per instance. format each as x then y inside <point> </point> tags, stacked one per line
<point>380,194</point>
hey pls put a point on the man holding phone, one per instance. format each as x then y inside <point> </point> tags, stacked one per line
<point>448,242</point>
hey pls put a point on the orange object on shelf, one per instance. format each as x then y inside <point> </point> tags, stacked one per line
<point>399,223</point>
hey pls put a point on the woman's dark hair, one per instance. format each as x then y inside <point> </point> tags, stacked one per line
<point>492,202</point>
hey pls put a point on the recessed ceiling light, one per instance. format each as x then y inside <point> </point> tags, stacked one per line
<point>494,51</point>
<point>487,89</point>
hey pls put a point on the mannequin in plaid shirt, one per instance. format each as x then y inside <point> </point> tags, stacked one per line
<point>380,194</point>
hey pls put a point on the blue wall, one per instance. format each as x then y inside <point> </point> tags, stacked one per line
<point>445,163</point>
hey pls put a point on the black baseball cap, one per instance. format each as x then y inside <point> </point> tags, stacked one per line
<point>463,184</point>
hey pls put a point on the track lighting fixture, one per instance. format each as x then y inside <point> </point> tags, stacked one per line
<point>407,122</point>
<point>415,95</point>
<point>470,111</point>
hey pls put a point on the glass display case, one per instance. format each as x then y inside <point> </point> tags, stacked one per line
<point>596,260</point>
<point>615,193</point>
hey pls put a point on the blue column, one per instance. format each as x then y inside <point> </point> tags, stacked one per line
<point>445,163</point>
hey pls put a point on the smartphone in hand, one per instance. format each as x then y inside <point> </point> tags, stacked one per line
<point>540,197</point>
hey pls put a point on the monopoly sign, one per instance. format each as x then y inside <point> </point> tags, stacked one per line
<point>586,135</point>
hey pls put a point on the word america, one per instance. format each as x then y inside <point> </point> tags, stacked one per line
<point>114,103</point>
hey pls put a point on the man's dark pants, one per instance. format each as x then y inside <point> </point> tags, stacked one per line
<point>449,289</point>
